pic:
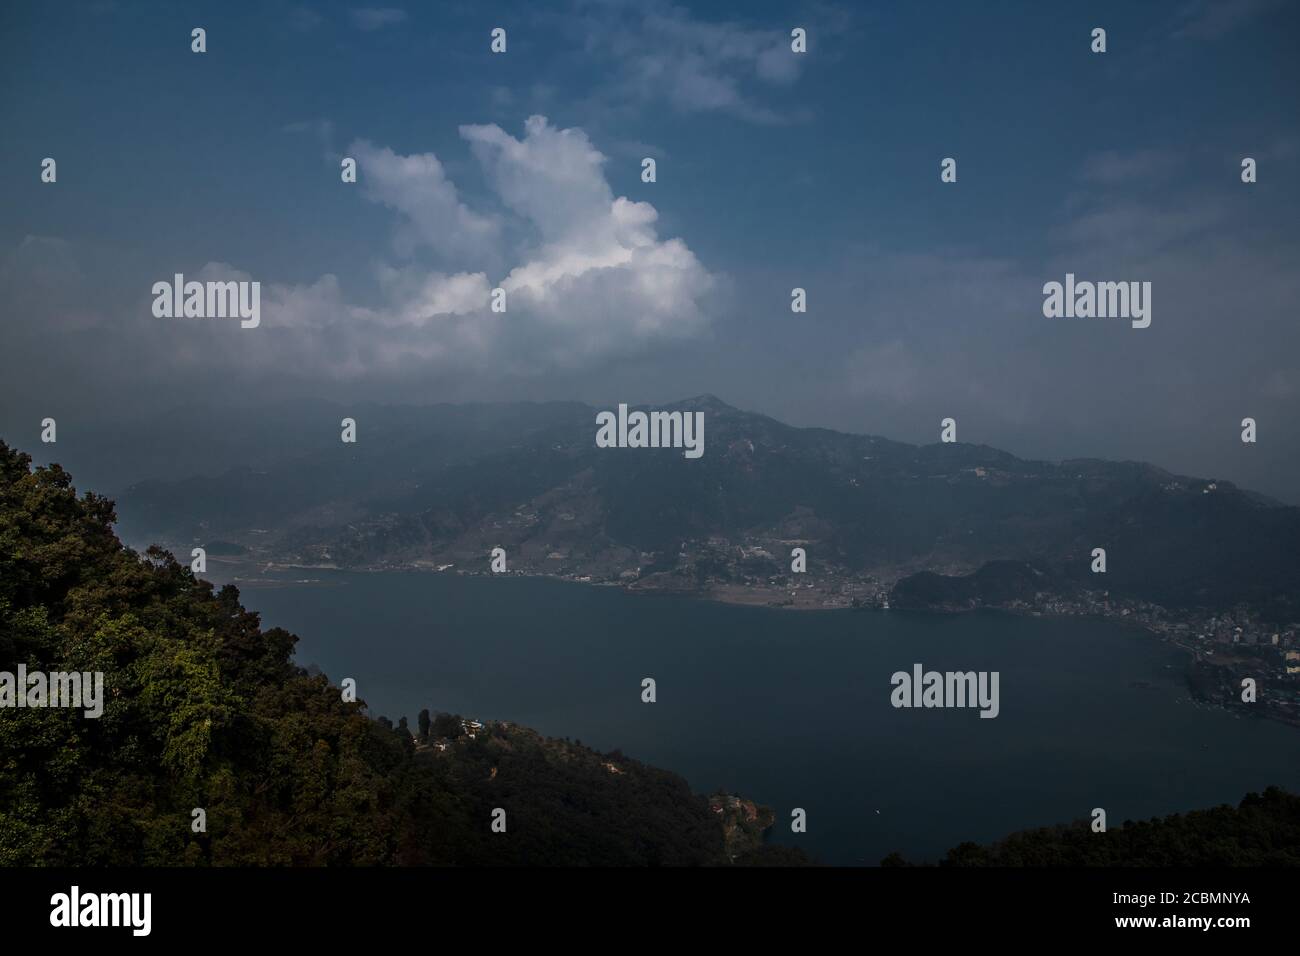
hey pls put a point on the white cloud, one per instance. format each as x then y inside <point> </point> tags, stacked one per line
<point>1137,229</point>
<point>586,275</point>
<point>1112,167</point>
<point>600,282</point>
<point>696,66</point>
<point>421,295</point>
<point>433,214</point>
<point>552,177</point>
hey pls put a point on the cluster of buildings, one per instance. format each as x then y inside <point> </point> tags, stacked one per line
<point>1227,647</point>
<point>468,728</point>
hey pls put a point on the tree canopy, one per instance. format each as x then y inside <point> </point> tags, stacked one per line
<point>206,709</point>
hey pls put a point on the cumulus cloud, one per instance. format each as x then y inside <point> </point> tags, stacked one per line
<point>432,213</point>
<point>587,280</point>
<point>585,274</point>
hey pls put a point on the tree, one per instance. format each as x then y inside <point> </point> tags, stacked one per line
<point>424,724</point>
<point>446,725</point>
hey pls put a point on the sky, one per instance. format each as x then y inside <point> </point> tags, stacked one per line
<point>774,170</point>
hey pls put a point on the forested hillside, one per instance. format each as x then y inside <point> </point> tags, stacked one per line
<point>1263,830</point>
<point>206,710</point>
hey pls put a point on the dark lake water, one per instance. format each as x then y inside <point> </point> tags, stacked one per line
<point>792,708</point>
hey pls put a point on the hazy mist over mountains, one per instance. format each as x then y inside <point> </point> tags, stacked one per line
<point>923,297</point>
<point>446,484</point>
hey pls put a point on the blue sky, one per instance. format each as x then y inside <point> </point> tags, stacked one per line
<point>774,171</point>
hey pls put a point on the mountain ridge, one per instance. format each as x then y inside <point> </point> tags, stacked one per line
<point>446,488</point>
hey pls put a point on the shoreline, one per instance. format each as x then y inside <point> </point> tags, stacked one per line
<point>805,598</point>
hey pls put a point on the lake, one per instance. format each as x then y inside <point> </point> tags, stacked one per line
<point>792,708</point>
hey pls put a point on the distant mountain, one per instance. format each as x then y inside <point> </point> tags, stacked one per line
<point>445,485</point>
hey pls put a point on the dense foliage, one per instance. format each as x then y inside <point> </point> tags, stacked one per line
<point>1264,830</point>
<point>993,584</point>
<point>205,709</point>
